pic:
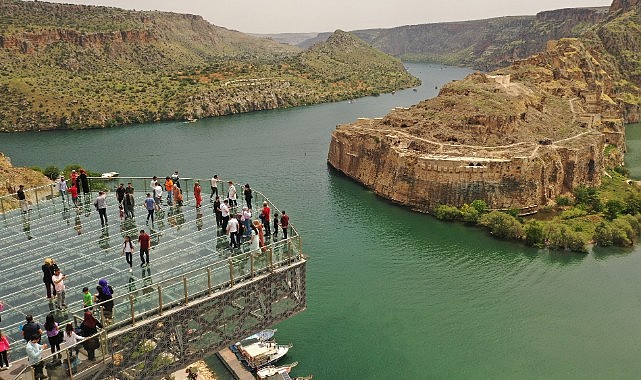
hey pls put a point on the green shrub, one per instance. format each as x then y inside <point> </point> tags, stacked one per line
<point>563,201</point>
<point>572,213</point>
<point>603,235</point>
<point>480,206</point>
<point>502,225</point>
<point>534,234</point>
<point>445,212</point>
<point>52,172</point>
<point>560,236</point>
<point>469,214</point>
<point>589,197</point>
<point>622,170</point>
<point>613,208</point>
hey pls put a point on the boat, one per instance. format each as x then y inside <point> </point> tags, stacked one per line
<point>263,335</point>
<point>259,354</point>
<point>109,175</point>
<point>190,121</point>
<point>271,371</point>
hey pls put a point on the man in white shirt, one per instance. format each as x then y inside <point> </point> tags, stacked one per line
<point>214,186</point>
<point>158,195</point>
<point>62,188</point>
<point>232,231</point>
<point>232,195</point>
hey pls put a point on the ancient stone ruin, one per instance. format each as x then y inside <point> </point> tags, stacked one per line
<point>517,138</point>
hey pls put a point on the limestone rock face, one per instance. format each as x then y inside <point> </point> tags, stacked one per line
<point>624,5</point>
<point>517,139</point>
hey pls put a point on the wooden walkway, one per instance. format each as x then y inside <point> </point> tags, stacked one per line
<point>232,363</point>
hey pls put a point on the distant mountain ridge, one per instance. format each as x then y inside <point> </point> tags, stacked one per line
<point>71,66</point>
<point>481,44</point>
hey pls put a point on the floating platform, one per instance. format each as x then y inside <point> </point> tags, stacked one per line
<point>234,365</point>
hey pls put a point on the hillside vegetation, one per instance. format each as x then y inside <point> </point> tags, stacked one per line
<point>481,44</point>
<point>69,66</point>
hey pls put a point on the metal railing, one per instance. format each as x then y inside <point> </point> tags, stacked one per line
<point>135,304</point>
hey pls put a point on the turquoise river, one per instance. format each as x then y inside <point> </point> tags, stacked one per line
<point>392,294</point>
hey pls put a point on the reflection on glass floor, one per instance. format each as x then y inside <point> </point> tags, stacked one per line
<point>189,256</point>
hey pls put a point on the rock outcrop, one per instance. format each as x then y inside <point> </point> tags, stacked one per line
<point>518,138</point>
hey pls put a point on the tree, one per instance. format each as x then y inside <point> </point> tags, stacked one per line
<point>52,172</point>
<point>613,208</point>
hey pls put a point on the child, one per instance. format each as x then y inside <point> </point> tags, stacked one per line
<point>275,225</point>
<point>122,211</point>
<point>71,337</point>
<point>87,299</point>
<point>4,347</point>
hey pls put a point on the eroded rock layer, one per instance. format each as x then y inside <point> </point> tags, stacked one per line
<point>517,138</point>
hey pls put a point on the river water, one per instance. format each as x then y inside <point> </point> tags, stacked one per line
<point>392,294</point>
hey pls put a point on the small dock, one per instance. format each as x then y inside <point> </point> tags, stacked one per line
<point>234,365</point>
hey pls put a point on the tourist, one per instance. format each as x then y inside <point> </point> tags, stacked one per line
<point>152,184</point>
<point>199,198</point>
<point>74,179</point>
<point>71,338</point>
<point>101,205</point>
<point>22,199</point>
<point>88,328</point>
<point>178,195</point>
<point>246,220</point>
<point>214,186</point>
<point>128,250</point>
<point>104,297</point>
<point>129,189</point>
<point>73,190</point>
<point>218,212</point>
<point>59,284</point>
<point>48,268</point>
<point>261,234</point>
<point>144,241</point>
<point>130,203</point>
<point>87,299</point>
<point>30,329</point>
<point>158,195</point>
<point>264,217</point>
<point>54,335</point>
<point>232,231</point>
<point>275,224</point>
<point>169,188</point>
<point>84,181</point>
<point>62,189</point>
<point>120,193</point>
<point>232,194</point>
<point>247,192</point>
<point>34,356</point>
<point>254,244</point>
<point>224,214</point>
<point>4,347</point>
<point>175,179</point>
<point>150,205</point>
<point>284,224</point>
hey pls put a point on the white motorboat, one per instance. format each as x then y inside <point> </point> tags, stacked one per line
<point>109,175</point>
<point>258,354</point>
<point>271,371</point>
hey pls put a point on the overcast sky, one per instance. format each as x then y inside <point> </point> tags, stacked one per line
<point>285,16</point>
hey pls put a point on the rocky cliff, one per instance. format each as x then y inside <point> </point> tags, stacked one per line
<point>516,138</point>
<point>11,177</point>
<point>481,44</point>
<point>72,67</point>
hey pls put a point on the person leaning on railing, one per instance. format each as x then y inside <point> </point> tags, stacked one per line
<point>34,356</point>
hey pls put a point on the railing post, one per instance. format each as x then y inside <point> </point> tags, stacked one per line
<point>2,205</point>
<point>185,288</point>
<point>209,280</point>
<point>231,272</point>
<point>69,369</point>
<point>102,315</point>
<point>131,307</point>
<point>270,257</point>
<point>289,251</point>
<point>251,263</point>
<point>159,300</point>
<point>103,346</point>
<point>51,188</point>
<point>37,202</point>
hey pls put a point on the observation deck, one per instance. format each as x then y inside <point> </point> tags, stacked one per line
<point>195,297</point>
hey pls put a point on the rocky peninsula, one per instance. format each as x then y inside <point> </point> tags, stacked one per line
<point>516,138</point>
